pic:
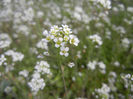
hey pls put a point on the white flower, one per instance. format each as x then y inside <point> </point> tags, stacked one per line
<point>36,84</point>
<point>45,33</point>
<point>128,76</point>
<point>66,38</point>
<point>101,65</point>
<point>132,78</point>
<point>64,51</point>
<point>71,64</point>
<point>130,9</point>
<point>65,26</point>
<point>42,44</point>
<point>116,63</point>
<point>8,89</point>
<point>58,41</point>
<point>73,78</point>
<point>74,40</point>
<point>125,42</point>
<point>96,38</point>
<point>105,3</point>
<point>40,14</point>
<point>66,30</point>
<point>2,59</point>
<point>53,32</point>
<point>46,53</point>
<point>22,29</point>
<point>43,67</point>
<point>49,38</point>
<point>79,54</point>
<point>92,65</point>
<point>16,56</point>
<point>24,73</point>
<point>29,14</point>
<point>80,74</point>
<point>63,44</point>
<point>104,91</point>
<point>61,38</point>
<point>36,75</point>
<point>5,40</point>
<point>54,29</point>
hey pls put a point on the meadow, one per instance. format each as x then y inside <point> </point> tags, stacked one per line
<point>66,49</point>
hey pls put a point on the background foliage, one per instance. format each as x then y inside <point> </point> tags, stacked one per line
<point>85,18</point>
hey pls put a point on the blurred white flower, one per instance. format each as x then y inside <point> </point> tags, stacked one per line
<point>36,75</point>
<point>104,91</point>
<point>16,56</point>
<point>130,9</point>
<point>5,40</point>
<point>92,65</point>
<point>79,54</point>
<point>71,64</point>
<point>2,59</point>
<point>125,42</point>
<point>8,89</point>
<point>96,38</point>
<point>43,67</point>
<point>101,65</point>
<point>40,14</point>
<point>116,63</point>
<point>28,14</point>
<point>36,84</point>
<point>105,3</point>
<point>42,44</point>
<point>45,33</point>
<point>24,73</point>
<point>46,53</point>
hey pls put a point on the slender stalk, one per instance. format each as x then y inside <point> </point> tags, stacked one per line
<point>62,74</point>
<point>62,71</point>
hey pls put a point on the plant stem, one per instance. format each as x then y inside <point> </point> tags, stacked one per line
<point>62,71</point>
<point>62,74</point>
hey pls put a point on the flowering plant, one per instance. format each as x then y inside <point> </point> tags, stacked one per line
<point>61,36</point>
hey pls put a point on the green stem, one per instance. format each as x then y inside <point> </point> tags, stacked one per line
<point>62,71</point>
<point>62,74</point>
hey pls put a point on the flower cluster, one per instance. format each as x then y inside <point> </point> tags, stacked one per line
<point>42,44</point>
<point>128,76</point>
<point>96,38</point>
<point>92,65</point>
<point>104,91</point>
<point>5,40</point>
<point>71,64</point>
<point>61,36</point>
<point>128,81</point>
<point>37,83</point>
<point>42,67</point>
<point>2,59</point>
<point>16,56</point>
<point>105,3</point>
<point>8,89</point>
<point>125,42</point>
<point>24,73</point>
<point>112,81</point>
